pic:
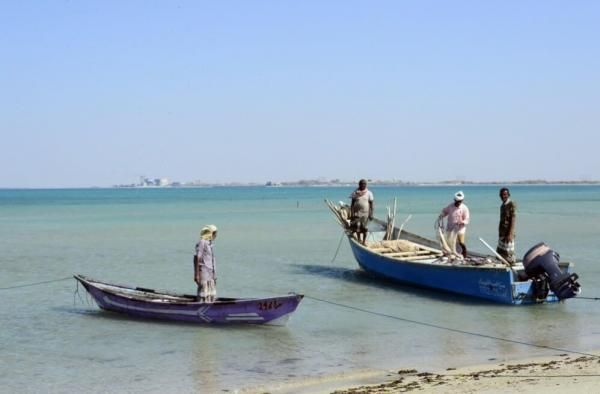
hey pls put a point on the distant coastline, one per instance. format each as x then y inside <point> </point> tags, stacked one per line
<point>321,183</point>
<point>339,183</point>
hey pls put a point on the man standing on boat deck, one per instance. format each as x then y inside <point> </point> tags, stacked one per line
<point>204,265</point>
<point>362,210</point>
<point>506,227</point>
<point>456,226</point>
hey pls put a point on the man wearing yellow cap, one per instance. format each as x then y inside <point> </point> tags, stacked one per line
<point>204,265</point>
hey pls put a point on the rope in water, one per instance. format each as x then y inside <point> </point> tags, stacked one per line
<point>338,248</point>
<point>36,283</point>
<point>382,315</point>
<point>449,328</point>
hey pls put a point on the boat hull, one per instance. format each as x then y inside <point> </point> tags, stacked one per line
<point>147,303</point>
<point>490,283</point>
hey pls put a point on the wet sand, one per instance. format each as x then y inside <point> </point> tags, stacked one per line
<point>566,373</point>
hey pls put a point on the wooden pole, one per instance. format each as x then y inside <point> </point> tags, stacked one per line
<point>387,226</point>
<point>495,253</point>
<point>402,226</point>
<point>393,220</point>
<point>335,212</point>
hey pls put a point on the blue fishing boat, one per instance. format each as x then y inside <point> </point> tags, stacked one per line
<point>411,259</point>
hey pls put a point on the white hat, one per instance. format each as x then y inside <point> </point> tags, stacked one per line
<point>459,196</point>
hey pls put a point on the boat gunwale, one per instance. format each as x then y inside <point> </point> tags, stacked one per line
<point>86,281</point>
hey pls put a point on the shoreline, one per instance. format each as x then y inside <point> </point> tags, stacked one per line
<point>569,373</point>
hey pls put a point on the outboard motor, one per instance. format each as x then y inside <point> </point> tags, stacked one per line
<point>541,261</point>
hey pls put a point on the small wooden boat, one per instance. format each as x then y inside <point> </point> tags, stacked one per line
<point>411,259</point>
<point>148,303</point>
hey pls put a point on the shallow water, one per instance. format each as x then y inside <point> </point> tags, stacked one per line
<point>271,241</point>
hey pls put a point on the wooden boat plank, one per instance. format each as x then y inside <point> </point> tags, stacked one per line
<point>423,247</point>
<point>381,250</point>
<point>422,257</point>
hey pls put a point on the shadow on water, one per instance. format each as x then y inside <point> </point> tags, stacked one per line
<point>119,317</point>
<point>360,277</point>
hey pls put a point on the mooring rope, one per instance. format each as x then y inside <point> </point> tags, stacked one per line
<point>338,248</point>
<point>375,313</point>
<point>77,294</point>
<point>36,283</point>
<point>448,328</point>
<point>586,298</point>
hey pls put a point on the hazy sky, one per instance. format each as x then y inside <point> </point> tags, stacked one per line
<point>101,92</point>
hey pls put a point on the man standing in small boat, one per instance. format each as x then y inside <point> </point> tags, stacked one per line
<point>362,210</point>
<point>456,226</point>
<point>506,228</point>
<point>204,265</point>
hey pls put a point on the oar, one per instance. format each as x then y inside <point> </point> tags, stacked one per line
<point>495,253</point>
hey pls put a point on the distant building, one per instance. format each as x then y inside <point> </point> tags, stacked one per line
<point>146,182</point>
<point>156,182</point>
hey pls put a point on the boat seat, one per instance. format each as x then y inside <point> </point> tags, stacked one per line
<point>422,257</point>
<point>407,254</point>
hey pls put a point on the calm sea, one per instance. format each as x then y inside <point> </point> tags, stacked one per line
<point>271,241</point>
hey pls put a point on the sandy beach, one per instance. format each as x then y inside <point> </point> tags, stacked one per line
<point>565,372</point>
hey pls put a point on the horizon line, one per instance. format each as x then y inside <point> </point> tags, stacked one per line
<point>314,182</point>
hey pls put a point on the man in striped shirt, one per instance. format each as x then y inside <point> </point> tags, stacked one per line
<point>506,227</point>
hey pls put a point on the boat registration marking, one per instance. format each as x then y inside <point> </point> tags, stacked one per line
<point>492,288</point>
<point>268,305</point>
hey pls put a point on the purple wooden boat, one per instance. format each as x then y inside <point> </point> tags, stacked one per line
<point>148,303</point>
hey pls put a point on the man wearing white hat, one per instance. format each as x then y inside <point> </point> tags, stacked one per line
<point>456,225</point>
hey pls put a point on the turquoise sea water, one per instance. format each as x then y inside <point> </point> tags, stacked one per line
<point>271,241</point>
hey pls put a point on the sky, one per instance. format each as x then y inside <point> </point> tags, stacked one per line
<point>97,93</point>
